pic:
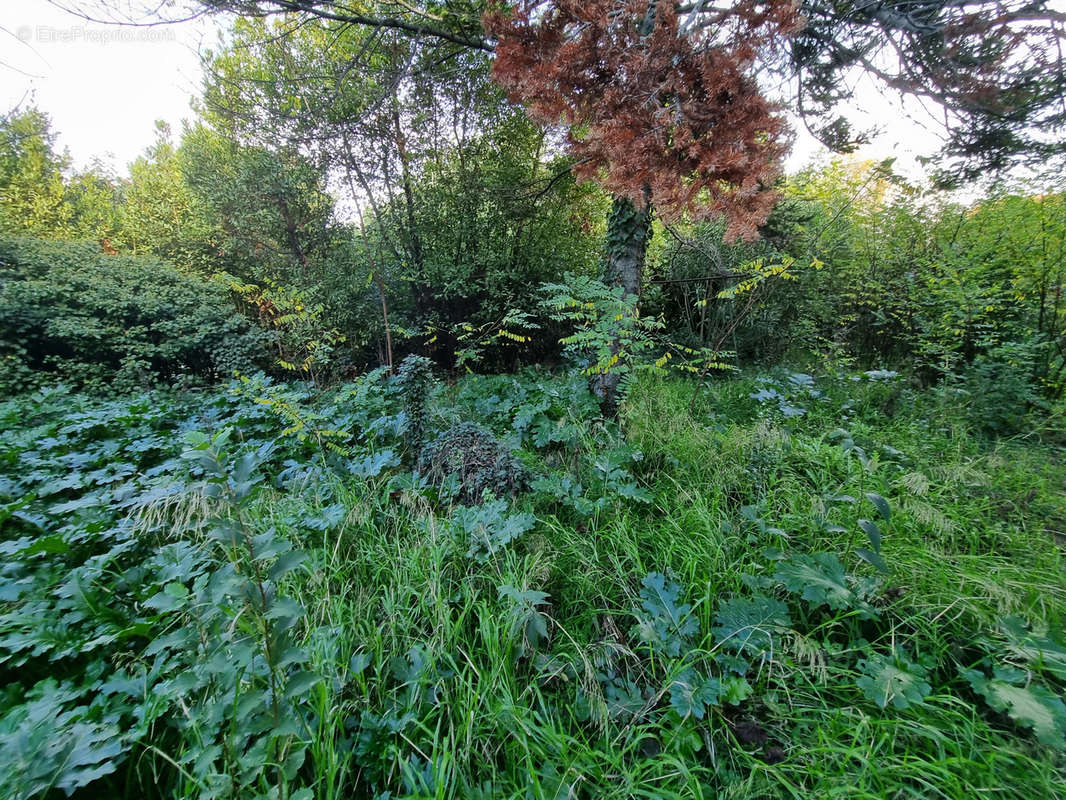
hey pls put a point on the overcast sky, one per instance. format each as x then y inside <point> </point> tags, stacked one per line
<point>105,86</point>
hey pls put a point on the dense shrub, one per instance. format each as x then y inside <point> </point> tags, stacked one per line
<point>886,274</point>
<point>476,459</point>
<point>689,272</point>
<point>69,312</point>
<point>1001,390</point>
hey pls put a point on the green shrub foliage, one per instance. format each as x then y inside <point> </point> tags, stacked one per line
<point>70,313</point>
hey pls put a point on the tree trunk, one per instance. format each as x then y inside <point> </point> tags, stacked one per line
<point>628,233</point>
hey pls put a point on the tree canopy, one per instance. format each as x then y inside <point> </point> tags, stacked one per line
<point>991,71</point>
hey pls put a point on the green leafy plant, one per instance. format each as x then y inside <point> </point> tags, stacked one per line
<point>1030,705</point>
<point>749,626</point>
<point>70,313</point>
<point>414,376</point>
<point>819,579</point>
<point>529,624</point>
<point>1038,648</point>
<point>610,336</point>
<point>473,458</point>
<point>488,528</point>
<point>304,344</point>
<point>893,679</point>
<point>664,622</point>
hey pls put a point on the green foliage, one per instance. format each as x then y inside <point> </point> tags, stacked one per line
<point>488,528</point>
<point>303,343</point>
<point>664,623</point>
<point>264,609</point>
<point>817,578</point>
<point>893,679</point>
<point>247,672</point>
<point>41,195</point>
<point>46,745</point>
<point>272,217</point>
<point>999,387</point>
<point>415,379</point>
<point>479,345</point>
<point>529,625</point>
<point>1029,705</point>
<point>691,696</point>
<point>609,332</point>
<point>162,216</point>
<point>1037,649</point>
<point>475,461</point>
<point>71,313</point>
<point>465,205</point>
<point>963,294</point>
<point>748,625</point>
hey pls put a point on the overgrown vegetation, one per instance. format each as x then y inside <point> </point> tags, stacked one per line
<point>244,593</point>
<point>69,312</point>
<point>352,447</point>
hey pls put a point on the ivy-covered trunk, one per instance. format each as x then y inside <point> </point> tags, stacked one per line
<point>628,233</point>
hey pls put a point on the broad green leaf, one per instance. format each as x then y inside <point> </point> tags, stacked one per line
<point>893,679</point>
<point>1032,706</point>
<point>881,505</point>
<point>358,663</point>
<point>819,579</point>
<point>873,533</point>
<point>47,544</point>
<point>735,690</point>
<point>873,558</point>
<point>748,625</point>
<point>1036,647</point>
<point>663,622</point>
<point>624,698</point>
<point>300,683</point>
<point>286,563</point>
<point>690,694</point>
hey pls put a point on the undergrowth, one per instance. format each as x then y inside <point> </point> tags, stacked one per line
<point>793,586</point>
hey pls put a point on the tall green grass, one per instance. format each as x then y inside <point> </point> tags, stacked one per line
<point>435,683</point>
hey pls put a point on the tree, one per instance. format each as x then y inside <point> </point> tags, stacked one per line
<point>31,172</point>
<point>664,104</point>
<point>39,192</point>
<point>664,107</point>
<point>464,204</point>
<point>994,69</point>
<point>661,117</point>
<point>161,215</point>
<point>275,216</point>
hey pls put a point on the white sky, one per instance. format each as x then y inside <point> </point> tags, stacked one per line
<point>105,86</point>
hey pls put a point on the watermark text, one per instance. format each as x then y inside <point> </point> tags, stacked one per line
<point>91,34</point>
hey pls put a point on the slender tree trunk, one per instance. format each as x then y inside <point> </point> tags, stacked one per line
<point>628,233</point>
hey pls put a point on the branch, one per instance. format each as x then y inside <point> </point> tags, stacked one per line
<point>256,8</point>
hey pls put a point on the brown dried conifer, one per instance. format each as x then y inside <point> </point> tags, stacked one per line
<point>658,110</point>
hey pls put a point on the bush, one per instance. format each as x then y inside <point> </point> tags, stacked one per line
<point>476,459</point>
<point>1001,388</point>
<point>69,312</point>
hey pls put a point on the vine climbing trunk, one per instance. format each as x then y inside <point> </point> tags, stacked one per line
<point>628,233</point>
